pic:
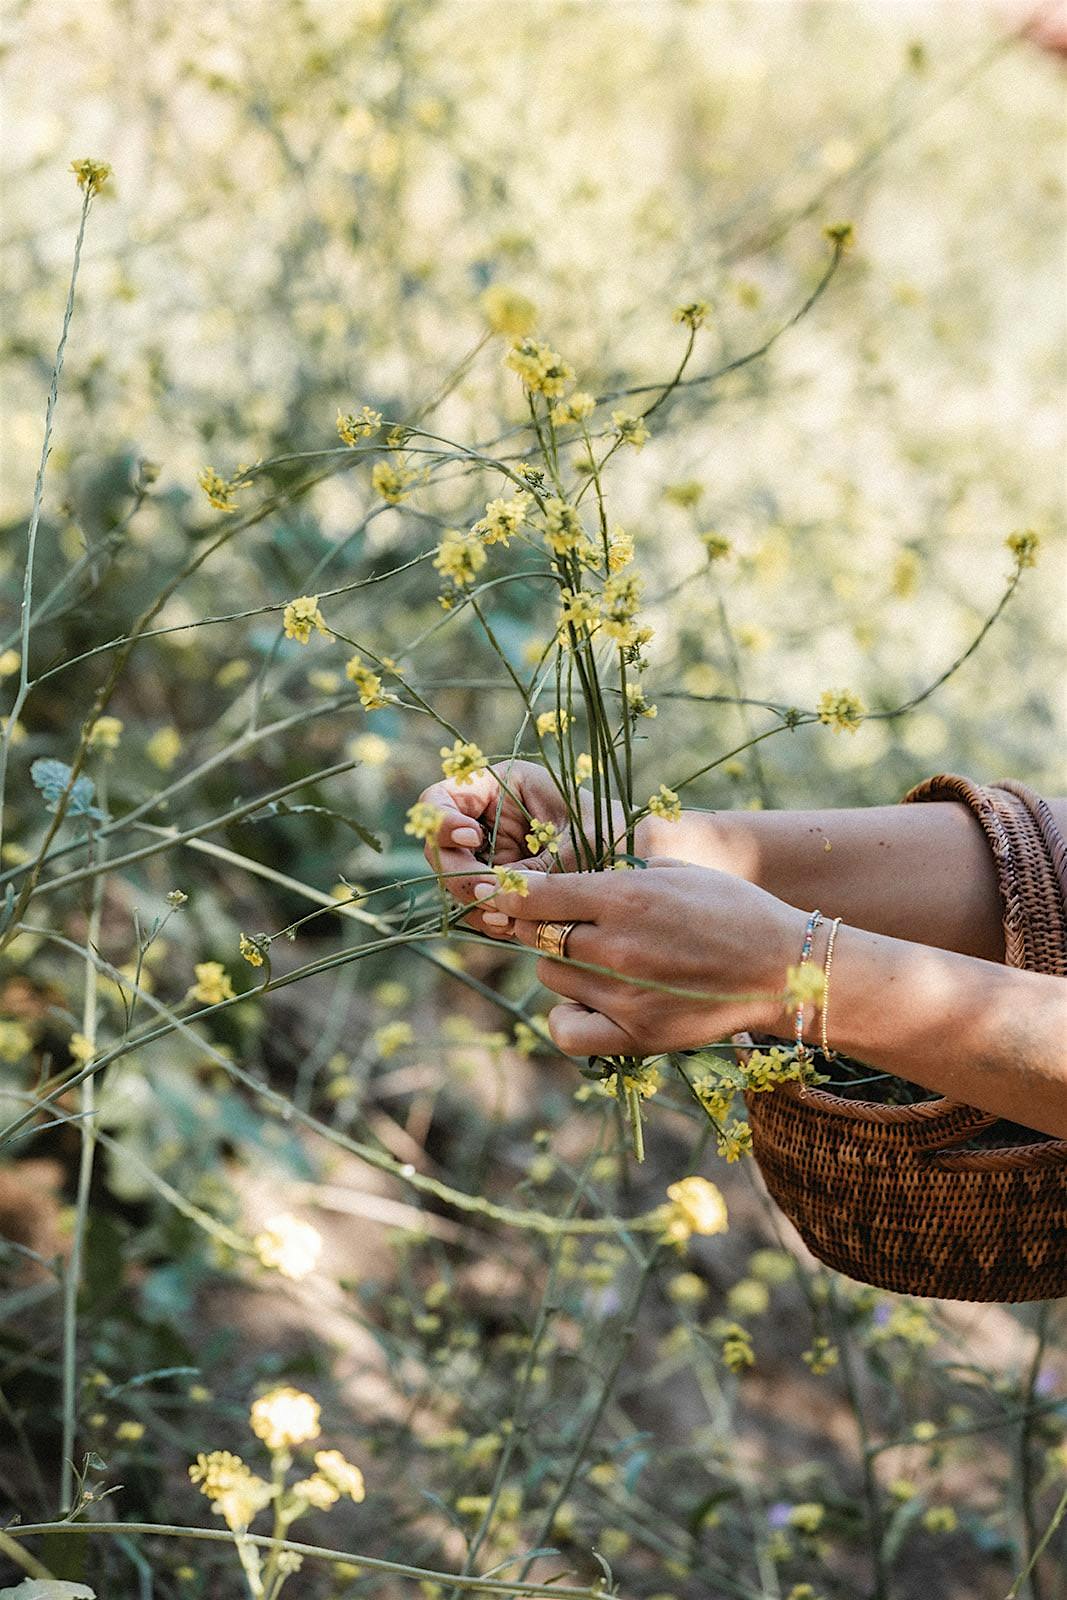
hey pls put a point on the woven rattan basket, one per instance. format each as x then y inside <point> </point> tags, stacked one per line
<point>878,1191</point>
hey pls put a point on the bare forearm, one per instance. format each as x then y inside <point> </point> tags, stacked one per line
<point>976,1031</point>
<point>922,872</point>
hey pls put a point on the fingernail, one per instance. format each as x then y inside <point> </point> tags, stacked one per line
<point>485,891</point>
<point>466,836</point>
<point>495,919</point>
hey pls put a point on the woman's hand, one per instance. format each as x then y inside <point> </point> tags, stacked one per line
<point>519,790</point>
<point>723,942</point>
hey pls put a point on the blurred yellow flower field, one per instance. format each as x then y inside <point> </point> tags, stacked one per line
<point>655,390</point>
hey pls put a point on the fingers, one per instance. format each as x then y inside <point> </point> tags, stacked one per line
<point>577,1031</point>
<point>566,897</point>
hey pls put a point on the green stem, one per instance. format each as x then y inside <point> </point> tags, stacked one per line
<point>396,1569</point>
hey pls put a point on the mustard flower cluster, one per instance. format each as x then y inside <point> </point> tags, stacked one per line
<point>392,480</point>
<point>542,836</point>
<point>696,1206</point>
<point>551,723</point>
<point>459,558</point>
<point>288,1245</point>
<point>301,616</point>
<point>507,311</point>
<point>511,882</point>
<point>503,518</point>
<point>841,710</point>
<point>631,430</point>
<point>105,733</point>
<point>368,682</point>
<point>353,426</point>
<point>575,408</point>
<point>542,369</point>
<point>91,175</point>
<point>642,1078</point>
<point>463,761</point>
<point>1024,546</point>
<point>235,1492</point>
<point>212,985</point>
<point>222,492</point>
<point>665,804</point>
<point>424,820</point>
<point>253,948</point>
<point>692,314</point>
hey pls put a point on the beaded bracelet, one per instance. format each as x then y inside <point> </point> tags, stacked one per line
<point>805,957</point>
<point>827,1052</point>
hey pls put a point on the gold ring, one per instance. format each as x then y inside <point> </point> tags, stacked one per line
<point>551,937</point>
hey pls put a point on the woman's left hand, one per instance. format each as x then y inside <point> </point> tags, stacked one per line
<point>720,944</point>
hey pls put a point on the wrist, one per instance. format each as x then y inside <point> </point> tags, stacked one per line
<point>780,947</point>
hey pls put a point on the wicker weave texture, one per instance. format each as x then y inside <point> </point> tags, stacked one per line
<point>877,1191</point>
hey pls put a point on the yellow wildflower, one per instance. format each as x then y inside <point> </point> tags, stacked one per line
<point>542,836</point>
<point>508,311</point>
<point>346,1478</point>
<point>91,175</point>
<point>716,546</point>
<point>841,710</point>
<point>317,1491</point>
<point>164,748</point>
<point>737,1352</point>
<point>502,519</point>
<point>511,882</point>
<point>564,533</point>
<point>234,1490</point>
<point>370,748</point>
<point>10,661</point>
<point>424,820</point>
<point>301,615</point>
<point>576,408</point>
<point>840,233</point>
<point>353,426</point>
<point>644,1080</point>
<point>687,1289</point>
<point>212,984</point>
<point>105,733</point>
<point>583,766</point>
<point>463,762</point>
<point>666,804</point>
<point>1024,547</point>
<point>697,1206</point>
<point>252,949</point>
<point>221,492</point>
<point>639,706</point>
<point>284,1417</point>
<point>630,429</point>
<point>803,984</point>
<point>807,1516</point>
<point>692,314</point>
<point>81,1049</point>
<point>459,557</point>
<point>620,549</point>
<point>392,480</point>
<point>549,723</point>
<point>822,1355</point>
<point>368,682</point>
<point>541,369</point>
<point>579,609</point>
<point>940,1519</point>
<point>748,1297</point>
<point>288,1245</point>
<point>129,1431</point>
<point>392,1036</point>
<point>734,1141</point>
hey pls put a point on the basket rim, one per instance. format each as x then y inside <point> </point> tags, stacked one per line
<point>923,1111</point>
